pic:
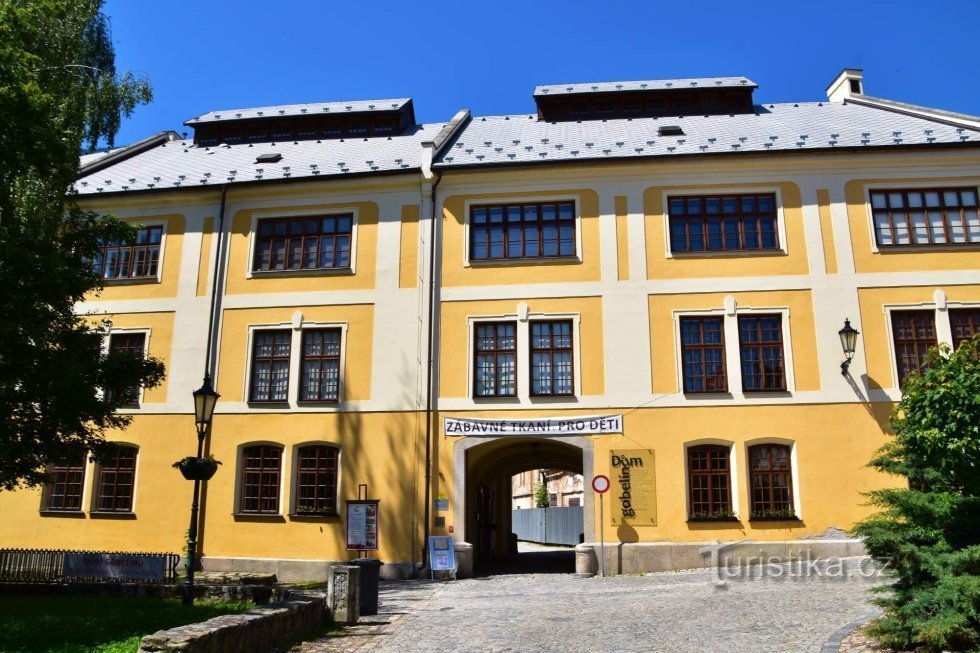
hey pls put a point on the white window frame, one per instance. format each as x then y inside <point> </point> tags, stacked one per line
<point>576,200</point>
<point>296,329</point>
<point>733,471</point>
<point>794,471</point>
<point>294,480</point>
<point>240,460</point>
<point>146,331</point>
<point>944,328</point>
<point>158,278</point>
<point>916,185</point>
<point>300,213</point>
<point>93,496</point>
<point>523,356</point>
<point>783,248</point>
<point>733,350</point>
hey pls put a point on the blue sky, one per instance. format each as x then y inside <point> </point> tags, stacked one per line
<point>202,55</point>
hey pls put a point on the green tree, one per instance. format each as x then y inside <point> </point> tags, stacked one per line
<point>541,495</point>
<point>59,91</point>
<point>929,531</point>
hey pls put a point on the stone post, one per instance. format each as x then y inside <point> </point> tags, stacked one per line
<point>586,560</point>
<point>464,559</point>
<point>344,594</point>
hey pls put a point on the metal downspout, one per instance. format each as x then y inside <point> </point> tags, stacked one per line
<point>430,382</point>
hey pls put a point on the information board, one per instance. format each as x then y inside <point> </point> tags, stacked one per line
<point>362,525</point>
<point>442,554</point>
<point>115,566</point>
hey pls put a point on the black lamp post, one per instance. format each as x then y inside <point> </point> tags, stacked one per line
<point>205,399</point>
<point>848,341</point>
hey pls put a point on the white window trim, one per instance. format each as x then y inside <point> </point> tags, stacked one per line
<point>295,364</point>
<point>240,461</point>
<point>299,213</point>
<point>294,465</point>
<point>733,353</point>
<point>93,496</point>
<point>158,278</point>
<point>732,473</point>
<point>916,185</point>
<point>783,248</point>
<point>575,198</point>
<point>523,357</point>
<point>794,471</point>
<point>146,352</point>
<point>944,328</point>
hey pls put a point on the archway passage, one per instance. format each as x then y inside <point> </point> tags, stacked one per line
<point>490,467</point>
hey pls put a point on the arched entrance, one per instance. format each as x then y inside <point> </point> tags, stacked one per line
<point>483,467</point>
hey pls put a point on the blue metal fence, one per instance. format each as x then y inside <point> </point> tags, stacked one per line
<point>548,525</point>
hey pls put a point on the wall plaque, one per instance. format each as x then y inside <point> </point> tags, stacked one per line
<point>633,497</point>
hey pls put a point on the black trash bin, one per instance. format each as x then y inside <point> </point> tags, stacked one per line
<point>370,580</point>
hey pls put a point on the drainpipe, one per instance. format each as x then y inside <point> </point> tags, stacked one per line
<point>429,380</point>
<point>209,357</point>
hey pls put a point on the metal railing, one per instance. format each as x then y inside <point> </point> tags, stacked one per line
<point>548,525</point>
<point>48,566</point>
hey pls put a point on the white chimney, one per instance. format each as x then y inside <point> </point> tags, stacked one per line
<point>848,83</point>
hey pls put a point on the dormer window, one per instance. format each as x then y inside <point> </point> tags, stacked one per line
<point>670,130</point>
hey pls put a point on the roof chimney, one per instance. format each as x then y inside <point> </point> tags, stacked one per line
<point>849,82</point>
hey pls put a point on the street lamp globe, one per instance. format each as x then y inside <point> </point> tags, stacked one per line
<point>205,399</point>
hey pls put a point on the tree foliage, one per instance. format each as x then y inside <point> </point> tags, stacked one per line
<point>59,91</point>
<point>541,495</point>
<point>929,532</point>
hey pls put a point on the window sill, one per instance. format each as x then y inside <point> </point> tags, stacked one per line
<point>317,272</point>
<point>794,520</point>
<point>767,393</point>
<point>333,403</point>
<point>314,515</point>
<point>75,514</point>
<point>529,260</point>
<point>99,514</point>
<point>258,517</point>
<point>268,404</point>
<point>709,394</point>
<point>907,249</point>
<point>729,253</point>
<point>130,281</point>
<point>557,398</point>
<point>504,399</point>
<point>702,520</point>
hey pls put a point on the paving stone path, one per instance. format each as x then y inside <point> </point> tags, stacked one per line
<point>544,613</point>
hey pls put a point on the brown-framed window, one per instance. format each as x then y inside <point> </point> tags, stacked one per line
<point>703,354</point>
<point>771,481</point>
<point>65,487</point>
<point>116,475</point>
<point>965,323</point>
<point>495,356</point>
<point>927,216</point>
<point>321,365</point>
<point>261,467</point>
<point>760,342</point>
<point>126,344</point>
<point>710,482</point>
<point>270,365</point>
<point>914,333</point>
<point>316,481</point>
<point>308,243</point>
<point>526,230</point>
<point>552,369</point>
<point>137,259</point>
<point>717,223</point>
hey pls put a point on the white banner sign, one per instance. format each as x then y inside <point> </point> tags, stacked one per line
<point>573,425</point>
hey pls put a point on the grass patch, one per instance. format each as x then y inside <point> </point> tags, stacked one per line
<point>94,624</point>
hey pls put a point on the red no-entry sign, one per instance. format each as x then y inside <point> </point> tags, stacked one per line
<point>600,483</point>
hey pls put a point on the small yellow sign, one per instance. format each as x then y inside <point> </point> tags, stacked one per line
<point>633,497</point>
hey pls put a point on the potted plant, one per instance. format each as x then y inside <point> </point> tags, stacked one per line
<point>782,514</point>
<point>720,514</point>
<point>197,469</point>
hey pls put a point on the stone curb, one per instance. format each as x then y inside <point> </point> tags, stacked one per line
<point>832,645</point>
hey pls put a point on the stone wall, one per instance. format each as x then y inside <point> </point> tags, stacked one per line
<point>252,631</point>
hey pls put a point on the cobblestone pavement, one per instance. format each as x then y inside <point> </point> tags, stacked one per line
<point>675,612</point>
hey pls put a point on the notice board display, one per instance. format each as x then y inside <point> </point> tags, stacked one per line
<point>362,525</point>
<point>442,554</point>
<point>117,566</point>
<point>633,496</point>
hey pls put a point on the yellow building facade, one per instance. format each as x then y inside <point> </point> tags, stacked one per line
<point>616,285</point>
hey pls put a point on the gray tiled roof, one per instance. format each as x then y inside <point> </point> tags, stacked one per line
<point>644,85</point>
<point>180,163</point>
<point>301,109</point>
<point>777,127</point>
